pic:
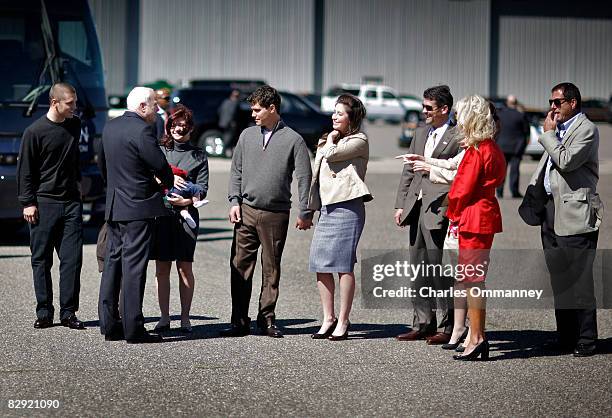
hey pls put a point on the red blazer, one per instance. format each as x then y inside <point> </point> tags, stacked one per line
<point>471,199</point>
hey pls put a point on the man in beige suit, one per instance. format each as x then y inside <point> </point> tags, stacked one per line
<point>563,199</point>
<point>420,204</point>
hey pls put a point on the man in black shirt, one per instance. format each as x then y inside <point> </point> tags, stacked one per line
<point>48,176</point>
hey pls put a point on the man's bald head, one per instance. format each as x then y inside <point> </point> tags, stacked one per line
<point>59,91</point>
<point>511,101</point>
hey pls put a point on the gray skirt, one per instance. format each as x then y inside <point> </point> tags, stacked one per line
<point>335,239</point>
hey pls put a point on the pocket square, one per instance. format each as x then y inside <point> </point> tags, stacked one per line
<point>444,143</point>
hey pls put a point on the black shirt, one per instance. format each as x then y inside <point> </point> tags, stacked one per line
<point>48,168</point>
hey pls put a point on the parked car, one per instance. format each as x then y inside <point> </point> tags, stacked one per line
<point>597,110</point>
<point>297,112</point>
<point>413,106</point>
<point>381,102</point>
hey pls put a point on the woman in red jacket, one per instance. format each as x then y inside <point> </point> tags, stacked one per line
<point>474,213</point>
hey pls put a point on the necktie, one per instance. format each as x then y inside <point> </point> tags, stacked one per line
<point>430,145</point>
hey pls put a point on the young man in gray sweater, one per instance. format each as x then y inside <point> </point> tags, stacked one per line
<point>265,160</point>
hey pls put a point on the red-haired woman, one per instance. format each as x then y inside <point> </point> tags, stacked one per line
<point>176,238</point>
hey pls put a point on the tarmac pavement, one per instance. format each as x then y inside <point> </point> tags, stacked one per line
<point>371,374</point>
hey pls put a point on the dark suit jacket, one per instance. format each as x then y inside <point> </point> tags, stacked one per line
<point>434,205</point>
<point>514,132</point>
<point>129,159</point>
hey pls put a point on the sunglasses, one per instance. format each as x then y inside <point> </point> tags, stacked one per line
<point>429,108</point>
<point>165,98</point>
<point>557,102</point>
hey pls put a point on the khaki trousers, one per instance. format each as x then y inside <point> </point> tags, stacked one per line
<point>268,229</point>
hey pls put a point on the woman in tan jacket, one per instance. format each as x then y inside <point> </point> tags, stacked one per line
<point>339,192</point>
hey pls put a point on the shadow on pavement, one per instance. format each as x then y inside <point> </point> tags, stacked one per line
<point>522,344</point>
<point>21,236</point>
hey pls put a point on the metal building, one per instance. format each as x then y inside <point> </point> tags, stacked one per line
<point>491,47</point>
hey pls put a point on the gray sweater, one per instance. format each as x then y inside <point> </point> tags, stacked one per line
<point>262,178</point>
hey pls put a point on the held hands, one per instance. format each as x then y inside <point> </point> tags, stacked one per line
<point>550,123</point>
<point>30,214</point>
<point>303,224</point>
<point>235,215</point>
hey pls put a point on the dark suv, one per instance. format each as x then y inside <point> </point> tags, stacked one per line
<point>297,112</point>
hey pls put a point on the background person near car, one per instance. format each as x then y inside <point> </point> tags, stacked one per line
<point>48,175</point>
<point>512,140</point>
<point>228,111</point>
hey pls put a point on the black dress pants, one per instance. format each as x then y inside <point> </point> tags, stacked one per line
<point>513,161</point>
<point>59,227</point>
<point>125,268</point>
<point>570,264</point>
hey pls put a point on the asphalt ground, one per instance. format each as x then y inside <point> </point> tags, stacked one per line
<point>371,374</point>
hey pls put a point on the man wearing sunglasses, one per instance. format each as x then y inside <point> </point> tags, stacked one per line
<point>162,97</point>
<point>569,210</point>
<point>421,204</point>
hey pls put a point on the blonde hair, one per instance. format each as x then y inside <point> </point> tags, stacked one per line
<point>475,119</point>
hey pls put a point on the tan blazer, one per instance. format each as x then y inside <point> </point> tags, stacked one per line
<point>573,177</point>
<point>339,172</point>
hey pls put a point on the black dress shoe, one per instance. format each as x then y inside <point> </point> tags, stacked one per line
<point>342,337</point>
<point>326,334</point>
<point>584,350</point>
<point>453,346</point>
<point>235,331</point>
<point>271,331</point>
<point>73,322</point>
<point>115,335</point>
<point>481,350</point>
<point>146,338</point>
<point>43,323</point>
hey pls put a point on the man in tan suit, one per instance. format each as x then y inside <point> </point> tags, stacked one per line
<point>562,198</point>
<point>420,204</point>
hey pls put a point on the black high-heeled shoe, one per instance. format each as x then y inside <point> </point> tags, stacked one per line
<point>342,337</point>
<point>481,350</point>
<point>453,346</point>
<point>327,333</point>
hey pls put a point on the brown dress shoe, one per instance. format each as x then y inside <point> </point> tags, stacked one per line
<point>412,336</point>
<point>439,338</point>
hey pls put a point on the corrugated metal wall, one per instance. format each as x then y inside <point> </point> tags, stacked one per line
<point>267,39</point>
<point>109,18</point>
<point>537,53</point>
<point>412,44</point>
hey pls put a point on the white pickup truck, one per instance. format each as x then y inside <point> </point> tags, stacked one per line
<point>381,102</point>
